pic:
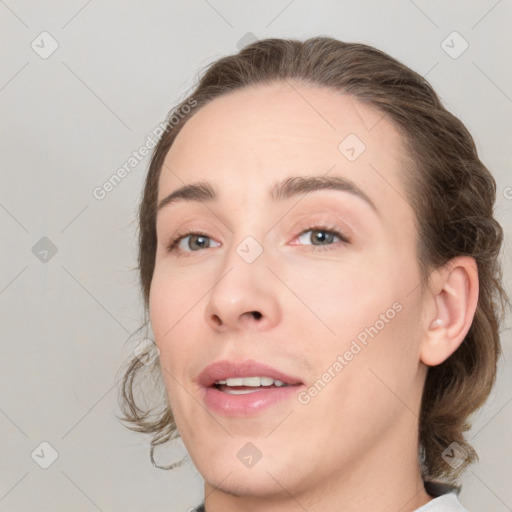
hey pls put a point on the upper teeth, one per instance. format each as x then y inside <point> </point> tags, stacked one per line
<point>251,381</point>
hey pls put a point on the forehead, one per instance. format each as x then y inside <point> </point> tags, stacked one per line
<point>247,139</point>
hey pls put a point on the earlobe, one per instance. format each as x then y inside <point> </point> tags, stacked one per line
<point>455,300</point>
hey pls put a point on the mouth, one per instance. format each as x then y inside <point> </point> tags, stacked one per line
<point>245,388</point>
<point>245,385</point>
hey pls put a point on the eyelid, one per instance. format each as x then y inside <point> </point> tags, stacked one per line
<point>328,221</point>
<point>323,226</point>
<point>174,241</point>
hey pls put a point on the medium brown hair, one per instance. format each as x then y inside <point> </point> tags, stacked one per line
<point>449,188</point>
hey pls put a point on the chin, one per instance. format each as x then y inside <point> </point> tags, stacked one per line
<point>246,483</point>
<point>227,473</point>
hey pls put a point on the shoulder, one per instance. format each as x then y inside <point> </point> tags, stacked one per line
<point>446,503</point>
<point>445,498</point>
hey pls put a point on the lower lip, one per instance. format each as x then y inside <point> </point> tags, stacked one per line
<point>247,404</point>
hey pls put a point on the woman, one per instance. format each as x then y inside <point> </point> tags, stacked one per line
<point>318,259</point>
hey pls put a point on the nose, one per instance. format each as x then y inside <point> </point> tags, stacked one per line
<point>244,297</point>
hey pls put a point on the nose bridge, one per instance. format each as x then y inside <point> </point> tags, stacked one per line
<point>243,291</point>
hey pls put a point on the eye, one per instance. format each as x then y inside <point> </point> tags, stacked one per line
<point>190,242</point>
<point>321,236</point>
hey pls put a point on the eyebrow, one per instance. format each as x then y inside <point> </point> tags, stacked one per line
<point>204,191</point>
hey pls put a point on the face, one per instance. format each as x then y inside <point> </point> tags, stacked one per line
<point>294,262</point>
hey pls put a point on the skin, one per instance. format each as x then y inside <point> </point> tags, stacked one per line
<point>355,443</point>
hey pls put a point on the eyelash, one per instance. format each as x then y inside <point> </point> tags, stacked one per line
<point>332,230</point>
<point>173,243</point>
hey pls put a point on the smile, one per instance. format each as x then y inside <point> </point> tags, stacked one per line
<point>239,389</point>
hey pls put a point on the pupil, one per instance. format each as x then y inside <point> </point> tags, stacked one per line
<point>201,241</point>
<point>321,236</point>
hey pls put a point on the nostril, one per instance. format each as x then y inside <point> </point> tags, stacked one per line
<point>256,314</point>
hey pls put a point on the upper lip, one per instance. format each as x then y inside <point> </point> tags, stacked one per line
<point>222,370</point>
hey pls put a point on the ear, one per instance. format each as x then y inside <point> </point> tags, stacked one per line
<point>453,298</point>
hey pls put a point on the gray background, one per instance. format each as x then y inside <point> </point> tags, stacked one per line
<point>71,119</point>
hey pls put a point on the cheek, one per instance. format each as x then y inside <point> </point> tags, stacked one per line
<point>172,299</point>
<point>367,304</point>
<point>177,302</point>
<point>342,297</point>
<point>173,309</point>
<point>172,320</point>
<point>367,373</point>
